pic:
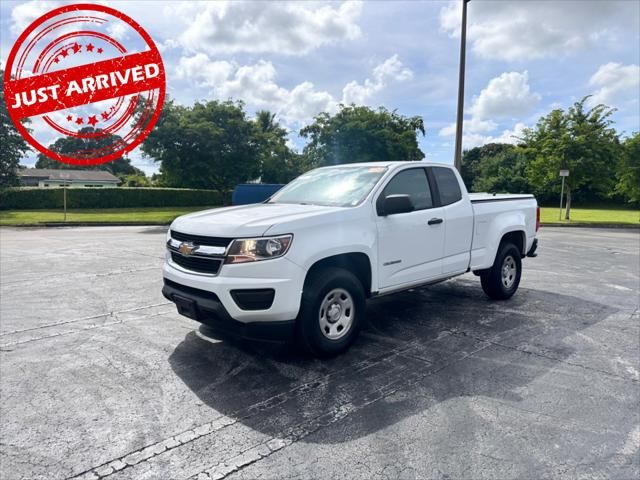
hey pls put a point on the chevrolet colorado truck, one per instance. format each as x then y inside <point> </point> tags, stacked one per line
<point>302,264</point>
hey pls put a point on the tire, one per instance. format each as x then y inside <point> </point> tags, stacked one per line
<point>331,312</point>
<point>501,281</point>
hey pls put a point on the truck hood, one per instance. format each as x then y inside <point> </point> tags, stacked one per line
<point>246,220</point>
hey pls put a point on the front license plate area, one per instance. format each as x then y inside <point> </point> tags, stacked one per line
<point>186,307</point>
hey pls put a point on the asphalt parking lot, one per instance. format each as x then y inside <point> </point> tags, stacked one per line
<point>99,376</point>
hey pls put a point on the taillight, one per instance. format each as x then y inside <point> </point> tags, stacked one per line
<point>537,219</point>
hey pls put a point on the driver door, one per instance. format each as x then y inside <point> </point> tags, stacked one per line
<point>410,245</point>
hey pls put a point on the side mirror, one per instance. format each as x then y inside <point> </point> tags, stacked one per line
<point>393,204</point>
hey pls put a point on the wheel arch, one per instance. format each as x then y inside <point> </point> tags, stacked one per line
<point>518,238</point>
<point>357,263</point>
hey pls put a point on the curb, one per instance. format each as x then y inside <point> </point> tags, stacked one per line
<point>85,224</point>
<point>593,225</point>
<point>159,224</point>
<point>103,224</point>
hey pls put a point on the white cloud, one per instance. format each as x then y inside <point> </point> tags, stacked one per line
<point>304,102</point>
<point>470,124</point>
<point>257,86</point>
<point>390,70</point>
<point>473,139</point>
<point>517,30</point>
<point>616,84</point>
<point>23,14</point>
<point>506,96</point>
<point>204,71</point>
<point>448,131</point>
<point>510,136</point>
<point>117,29</point>
<point>279,27</point>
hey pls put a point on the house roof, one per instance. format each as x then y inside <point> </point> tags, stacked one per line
<point>69,175</point>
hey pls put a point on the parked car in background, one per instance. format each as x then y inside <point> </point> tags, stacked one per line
<point>302,265</point>
<point>247,193</point>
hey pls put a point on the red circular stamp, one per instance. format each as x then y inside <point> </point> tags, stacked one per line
<point>87,72</point>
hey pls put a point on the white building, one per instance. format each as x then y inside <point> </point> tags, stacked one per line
<point>51,178</point>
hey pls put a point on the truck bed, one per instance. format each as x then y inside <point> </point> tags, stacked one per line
<point>493,216</point>
<point>497,197</point>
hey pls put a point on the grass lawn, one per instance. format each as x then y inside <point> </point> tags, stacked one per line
<point>162,215</point>
<point>165,215</point>
<point>611,215</point>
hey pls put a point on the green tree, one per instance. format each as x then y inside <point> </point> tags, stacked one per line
<point>506,171</point>
<point>580,140</point>
<point>361,134</point>
<point>278,163</point>
<point>474,158</point>
<point>12,146</point>
<point>628,170</point>
<point>266,123</point>
<point>120,167</point>
<point>207,145</point>
<point>135,180</point>
<point>156,180</point>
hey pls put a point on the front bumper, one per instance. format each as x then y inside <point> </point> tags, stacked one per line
<point>205,307</point>
<point>251,300</point>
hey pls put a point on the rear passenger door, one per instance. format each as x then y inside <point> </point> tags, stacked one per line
<point>458,219</point>
<point>410,244</point>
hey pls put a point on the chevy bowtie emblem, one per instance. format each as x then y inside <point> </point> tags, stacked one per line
<point>187,248</point>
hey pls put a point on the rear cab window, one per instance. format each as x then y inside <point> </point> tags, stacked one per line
<point>448,186</point>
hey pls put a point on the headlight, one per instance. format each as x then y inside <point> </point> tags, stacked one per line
<point>255,249</point>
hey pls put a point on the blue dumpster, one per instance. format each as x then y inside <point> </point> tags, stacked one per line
<point>246,193</point>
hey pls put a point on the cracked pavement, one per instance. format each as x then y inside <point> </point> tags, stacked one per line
<point>101,378</point>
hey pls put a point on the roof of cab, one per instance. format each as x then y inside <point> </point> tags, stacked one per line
<point>389,164</point>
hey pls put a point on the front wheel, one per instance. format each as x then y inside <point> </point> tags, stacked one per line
<point>332,310</point>
<point>501,281</point>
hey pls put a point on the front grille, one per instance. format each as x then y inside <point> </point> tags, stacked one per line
<point>198,264</point>
<point>201,240</point>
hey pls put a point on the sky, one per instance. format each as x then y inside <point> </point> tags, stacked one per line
<point>297,59</point>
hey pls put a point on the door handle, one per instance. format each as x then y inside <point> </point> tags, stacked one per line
<point>435,221</point>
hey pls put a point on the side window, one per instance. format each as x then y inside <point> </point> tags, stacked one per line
<point>448,185</point>
<point>412,182</point>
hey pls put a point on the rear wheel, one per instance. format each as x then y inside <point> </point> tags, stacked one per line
<point>332,309</point>
<point>501,281</point>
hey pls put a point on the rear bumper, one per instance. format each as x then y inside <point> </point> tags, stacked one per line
<point>205,307</point>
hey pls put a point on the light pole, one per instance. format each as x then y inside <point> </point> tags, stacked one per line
<point>64,177</point>
<point>463,43</point>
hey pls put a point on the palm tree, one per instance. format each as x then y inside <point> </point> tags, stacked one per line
<point>266,121</point>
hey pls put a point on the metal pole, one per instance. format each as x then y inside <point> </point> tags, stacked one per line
<point>463,44</point>
<point>561,195</point>
<point>64,188</point>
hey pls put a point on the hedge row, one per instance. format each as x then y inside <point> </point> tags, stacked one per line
<point>26,198</point>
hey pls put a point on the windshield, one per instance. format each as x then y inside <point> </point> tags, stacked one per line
<point>334,186</point>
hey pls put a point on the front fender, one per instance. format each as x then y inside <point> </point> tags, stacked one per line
<point>316,243</point>
<point>347,231</point>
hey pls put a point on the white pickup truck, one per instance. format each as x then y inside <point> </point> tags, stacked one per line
<point>302,264</point>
